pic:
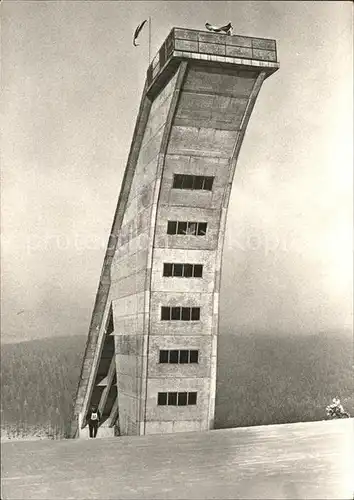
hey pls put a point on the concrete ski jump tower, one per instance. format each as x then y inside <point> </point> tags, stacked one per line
<point>150,358</point>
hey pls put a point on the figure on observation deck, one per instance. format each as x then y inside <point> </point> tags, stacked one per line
<point>227,29</point>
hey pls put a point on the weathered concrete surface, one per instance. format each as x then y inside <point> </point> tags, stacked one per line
<point>292,461</point>
<point>198,97</point>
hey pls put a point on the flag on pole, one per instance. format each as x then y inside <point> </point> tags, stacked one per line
<point>137,32</point>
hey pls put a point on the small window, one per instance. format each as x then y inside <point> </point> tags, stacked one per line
<point>163,356</point>
<point>208,183</point>
<point>183,356</point>
<point>195,313</point>
<point>174,356</point>
<point>162,398</point>
<point>165,313</point>
<point>198,182</point>
<point>178,270</point>
<point>176,313</point>
<point>182,398</point>
<point>202,227</point>
<point>192,398</point>
<point>167,269</point>
<point>188,181</point>
<point>172,398</point>
<point>177,181</point>
<point>186,313</point>
<point>182,228</point>
<point>193,356</point>
<point>198,270</point>
<point>171,227</point>
<point>192,228</point>
<point>188,270</point>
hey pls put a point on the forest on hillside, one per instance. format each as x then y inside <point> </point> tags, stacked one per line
<point>38,384</point>
<point>267,378</point>
<point>262,378</point>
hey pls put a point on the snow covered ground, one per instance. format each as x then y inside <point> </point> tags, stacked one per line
<point>292,461</point>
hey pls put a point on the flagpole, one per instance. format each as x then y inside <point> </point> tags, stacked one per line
<point>149,40</point>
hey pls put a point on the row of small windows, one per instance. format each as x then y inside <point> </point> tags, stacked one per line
<point>183,270</point>
<point>188,228</point>
<point>179,356</point>
<point>180,313</point>
<point>186,181</point>
<point>176,398</point>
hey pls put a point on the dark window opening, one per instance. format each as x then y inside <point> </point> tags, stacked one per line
<point>178,270</point>
<point>198,182</point>
<point>185,270</point>
<point>187,181</point>
<point>183,356</point>
<point>182,228</point>
<point>163,356</point>
<point>193,356</point>
<point>174,356</point>
<point>202,227</point>
<point>178,181</point>
<point>186,313</point>
<point>182,398</point>
<point>192,398</point>
<point>176,398</point>
<point>172,398</point>
<point>208,183</point>
<point>195,313</point>
<point>188,270</point>
<point>198,271</point>
<point>192,228</point>
<point>171,227</point>
<point>165,313</point>
<point>162,398</point>
<point>176,313</point>
<point>167,269</point>
<point>186,228</point>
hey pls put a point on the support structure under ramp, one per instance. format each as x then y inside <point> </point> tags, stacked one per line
<point>150,359</point>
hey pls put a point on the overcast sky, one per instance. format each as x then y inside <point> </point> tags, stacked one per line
<point>72,84</point>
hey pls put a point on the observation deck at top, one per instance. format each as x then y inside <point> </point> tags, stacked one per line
<point>182,43</point>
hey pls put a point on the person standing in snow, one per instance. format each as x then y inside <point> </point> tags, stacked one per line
<point>93,419</point>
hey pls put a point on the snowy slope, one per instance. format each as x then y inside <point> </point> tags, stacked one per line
<point>304,460</point>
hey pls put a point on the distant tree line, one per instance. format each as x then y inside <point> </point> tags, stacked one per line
<point>261,379</point>
<point>39,380</point>
<point>267,378</point>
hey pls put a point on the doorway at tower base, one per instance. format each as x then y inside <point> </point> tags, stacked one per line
<point>103,432</point>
